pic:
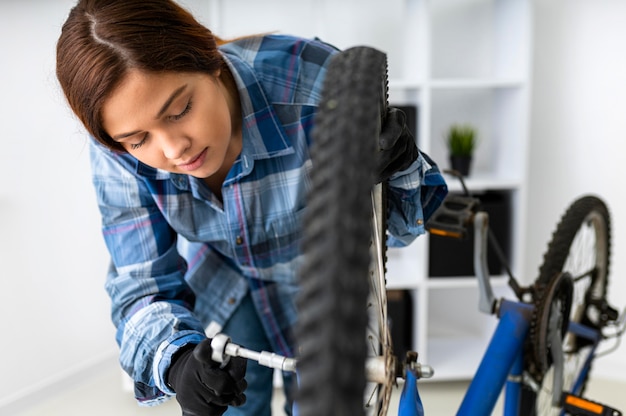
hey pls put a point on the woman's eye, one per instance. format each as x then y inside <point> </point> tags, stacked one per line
<point>135,146</point>
<point>183,113</point>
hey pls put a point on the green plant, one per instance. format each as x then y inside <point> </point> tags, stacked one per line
<point>461,140</point>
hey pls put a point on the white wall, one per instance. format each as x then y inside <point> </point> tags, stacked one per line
<point>55,312</point>
<point>55,322</point>
<point>578,128</point>
<point>53,308</point>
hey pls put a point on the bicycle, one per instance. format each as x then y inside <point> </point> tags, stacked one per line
<point>545,341</point>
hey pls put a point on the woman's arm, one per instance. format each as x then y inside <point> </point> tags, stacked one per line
<point>151,303</point>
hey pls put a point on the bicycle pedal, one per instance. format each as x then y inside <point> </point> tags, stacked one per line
<point>453,217</point>
<point>578,406</point>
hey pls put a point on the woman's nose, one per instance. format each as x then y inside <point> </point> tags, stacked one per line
<point>174,146</point>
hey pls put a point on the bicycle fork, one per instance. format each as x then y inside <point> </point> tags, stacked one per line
<point>410,401</point>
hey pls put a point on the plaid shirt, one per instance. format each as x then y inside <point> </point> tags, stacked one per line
<point>182,260</point>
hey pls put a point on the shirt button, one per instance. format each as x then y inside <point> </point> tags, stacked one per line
<point>239,240</point>
<point>231,301</point>
<point>419,221</point>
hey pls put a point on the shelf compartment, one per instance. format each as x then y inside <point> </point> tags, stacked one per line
<point>455,311</point>
<point>499,118</point>
<point>402,317</point>
<point>479,38</point>
<point>455,357</point>
<point>405,266</point>
<point>458,332</point>
<point>451,257</point>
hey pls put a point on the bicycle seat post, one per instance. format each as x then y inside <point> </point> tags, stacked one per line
<point>486,302</point>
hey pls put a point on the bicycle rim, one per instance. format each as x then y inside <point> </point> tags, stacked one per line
<point>332,322</point>
<point>378,394</point>
<point>579,246</point>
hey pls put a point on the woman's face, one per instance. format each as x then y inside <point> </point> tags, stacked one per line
<point>178,122</point>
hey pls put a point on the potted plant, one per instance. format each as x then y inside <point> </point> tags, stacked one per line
<point>461,140</point>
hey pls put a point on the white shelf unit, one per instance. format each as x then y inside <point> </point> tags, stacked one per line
<point>464,61</point>
<point>476,69</point>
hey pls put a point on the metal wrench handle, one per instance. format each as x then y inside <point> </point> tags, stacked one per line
<point>223,349</point>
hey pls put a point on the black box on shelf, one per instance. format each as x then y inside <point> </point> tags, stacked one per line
<point>450,257</point>
<point>400,317</point>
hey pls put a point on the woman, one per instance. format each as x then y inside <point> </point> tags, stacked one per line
<point>200,162</point>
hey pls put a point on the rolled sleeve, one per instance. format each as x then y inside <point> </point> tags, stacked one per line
<point>414,194</point>
<point>164,354</point>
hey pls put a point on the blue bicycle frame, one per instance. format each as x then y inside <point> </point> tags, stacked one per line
<point>501,367</point>
<point>505,349</point>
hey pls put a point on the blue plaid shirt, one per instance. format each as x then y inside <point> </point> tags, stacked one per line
<point>182,260</point>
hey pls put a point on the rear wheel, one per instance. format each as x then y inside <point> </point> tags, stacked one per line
<point>333,305</point>
<point>580,247</point>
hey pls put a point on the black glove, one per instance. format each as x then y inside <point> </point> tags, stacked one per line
<point>397,145</point>
<point>202,387</point>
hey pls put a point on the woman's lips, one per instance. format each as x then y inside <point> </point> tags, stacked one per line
<point>194,163</point>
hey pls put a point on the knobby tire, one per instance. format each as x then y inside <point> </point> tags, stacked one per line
<point>332,320</point>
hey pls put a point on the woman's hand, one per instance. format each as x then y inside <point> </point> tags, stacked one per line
<point>397,147</point>
<point>202,387</point>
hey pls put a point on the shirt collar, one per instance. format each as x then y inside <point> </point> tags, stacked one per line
<point>263,134</point>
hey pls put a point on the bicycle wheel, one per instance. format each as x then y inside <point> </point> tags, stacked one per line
<point>580,246</point>
<point>332,321</point>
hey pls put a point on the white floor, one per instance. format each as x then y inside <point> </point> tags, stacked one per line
<point>102,395</point>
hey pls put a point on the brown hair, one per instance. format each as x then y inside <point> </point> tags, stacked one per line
<point>102,39</point>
